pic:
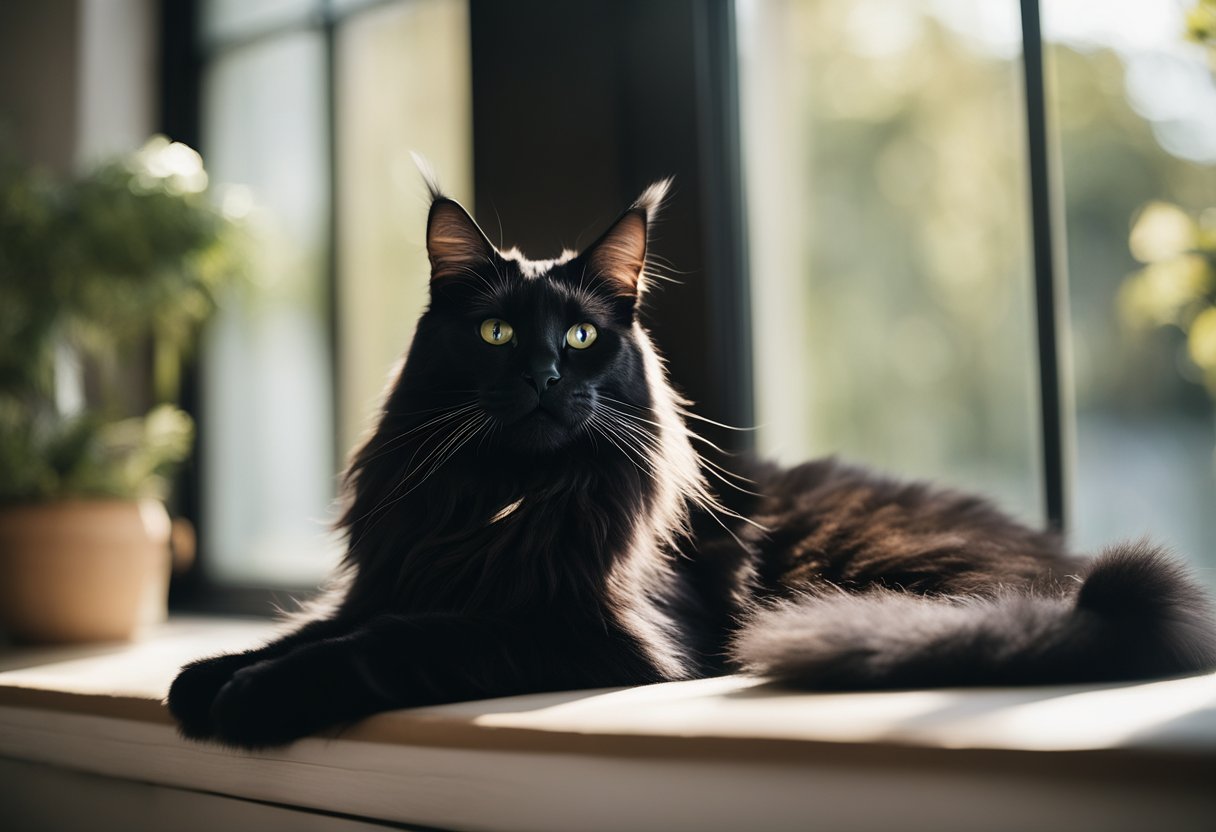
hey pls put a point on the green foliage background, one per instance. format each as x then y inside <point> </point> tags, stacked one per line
<point>1176,287</point>
<point>104,268</point>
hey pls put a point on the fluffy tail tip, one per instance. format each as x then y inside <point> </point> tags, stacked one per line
<point>1158,607</point>
<point>1140,579</point>
<point>1138,614</point>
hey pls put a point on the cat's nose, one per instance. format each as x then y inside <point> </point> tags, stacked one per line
<point>542,374</point>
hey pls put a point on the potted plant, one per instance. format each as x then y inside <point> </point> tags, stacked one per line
<point>104,279</point>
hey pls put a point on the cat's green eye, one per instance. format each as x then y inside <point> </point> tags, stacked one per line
<point>581,336</point>
<point>496,332</point>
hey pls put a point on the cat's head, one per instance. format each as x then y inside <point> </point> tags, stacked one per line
<point>531,402</point>
<point>544,353</point>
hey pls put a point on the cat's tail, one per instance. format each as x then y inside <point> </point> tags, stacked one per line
<point>1136,614</point>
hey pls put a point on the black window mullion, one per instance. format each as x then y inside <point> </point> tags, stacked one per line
<point>716,54</point>
<point>1045,269</point>
<point>329,31</point>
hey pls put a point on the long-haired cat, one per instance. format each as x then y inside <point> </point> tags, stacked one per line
<point>530,514</point>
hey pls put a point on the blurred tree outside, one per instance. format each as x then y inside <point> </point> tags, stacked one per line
<point>909,303</point>
<point>1176,287</point>
<point>1201,27</point>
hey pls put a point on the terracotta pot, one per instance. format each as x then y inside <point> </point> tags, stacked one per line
<point>83,570</point>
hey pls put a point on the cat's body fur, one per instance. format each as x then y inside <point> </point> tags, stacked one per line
<point>527,517</point>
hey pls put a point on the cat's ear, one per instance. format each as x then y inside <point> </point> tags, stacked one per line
<point>454,242</point>
<point>617,260</point>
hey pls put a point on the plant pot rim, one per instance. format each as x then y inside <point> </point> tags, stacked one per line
<point>78,500</point>
<point>79,510</point>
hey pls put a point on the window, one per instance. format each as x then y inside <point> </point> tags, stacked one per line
<point>310,111</point>
<point>1134,103</point>
<point>267,385</point>
<point>879,291</point>
<point>891,274</point>
<point>886,167</point>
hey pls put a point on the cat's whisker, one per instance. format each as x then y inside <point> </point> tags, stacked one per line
<point>700,494</point>
<point>641,439</point>
<point>606,431</point>
<point>650,441</point>
<point>595,446</point>
<point>392,444</point>
<point>439,414</point>
<point>386,504</point>
<point>431,431</point>
<point>644,408</point>
<point>721,471</point>
<point>635,423</point>
<point>443,445</point>
<point>391,497</point>
<point>657,276</point>
<point>657,259</point>
<point>489,433</point>
<point>688,414</point>
<point>721,476</point>
<point>466,435</point>
<point>407,413</point>
<point>627,414</point>
<point>646,472</point>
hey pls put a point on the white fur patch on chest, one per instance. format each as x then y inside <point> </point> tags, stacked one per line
<point>506,511</point>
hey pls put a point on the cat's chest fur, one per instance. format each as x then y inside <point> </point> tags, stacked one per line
<point>497,545</point>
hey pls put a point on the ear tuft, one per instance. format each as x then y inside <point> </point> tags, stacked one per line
<point>653,198</point>
<point>427,171</point>
<point>618,258</point>
<point>454,242</point>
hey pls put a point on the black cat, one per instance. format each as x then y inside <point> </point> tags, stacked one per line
<point>530,514</point>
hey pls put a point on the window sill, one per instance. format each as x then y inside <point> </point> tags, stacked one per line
<point>726,753</point>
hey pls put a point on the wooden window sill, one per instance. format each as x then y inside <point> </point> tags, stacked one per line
<point>729,753</point>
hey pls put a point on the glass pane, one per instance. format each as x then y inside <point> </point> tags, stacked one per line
<point>223,20</point>
<point>405,86</point>
<point>268,433</point>
<point>1135,106</point>
<point>888,222</point>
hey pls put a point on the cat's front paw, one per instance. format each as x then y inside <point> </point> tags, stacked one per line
<point>267,704</point>
<point>193,692</point>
